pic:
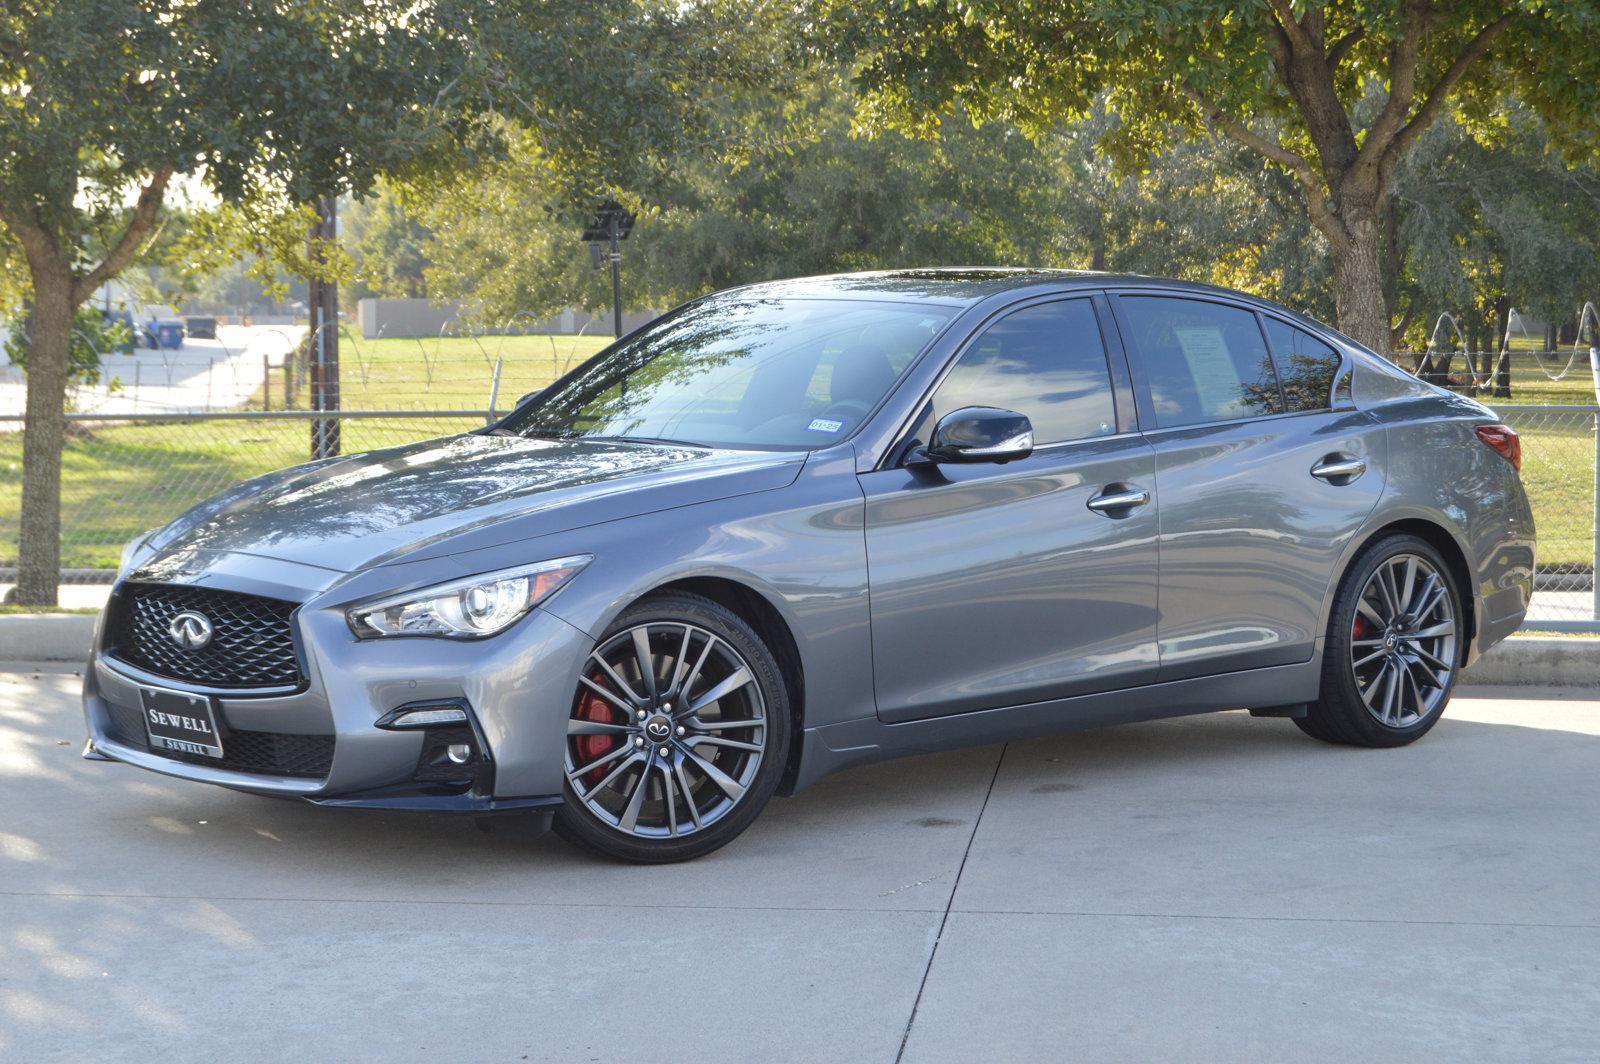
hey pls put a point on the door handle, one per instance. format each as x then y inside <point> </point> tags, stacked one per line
<point>1339,468</point>
<point>1124,498</point>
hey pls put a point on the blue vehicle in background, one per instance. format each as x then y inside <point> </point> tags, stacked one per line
<point>168,333</point>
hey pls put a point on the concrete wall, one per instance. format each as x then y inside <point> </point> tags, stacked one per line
<point>389,318</point>
<point>402,317</point>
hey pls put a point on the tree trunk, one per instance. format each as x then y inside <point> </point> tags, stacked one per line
<point>1441,374</point>
<point>1502,355</point>
<point>1358,282</point>
<point>43,433</point>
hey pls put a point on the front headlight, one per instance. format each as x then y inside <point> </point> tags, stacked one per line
<point>465,609</point>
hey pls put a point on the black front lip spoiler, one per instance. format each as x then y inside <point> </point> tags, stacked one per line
<point>402,798</point>
<point>411,801</point>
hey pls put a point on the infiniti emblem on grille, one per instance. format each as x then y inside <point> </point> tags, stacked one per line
<point>190,630</point>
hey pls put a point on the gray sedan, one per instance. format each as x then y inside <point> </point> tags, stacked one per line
<point>805,525</point>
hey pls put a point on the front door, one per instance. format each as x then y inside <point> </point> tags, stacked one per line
<point>998,585</point>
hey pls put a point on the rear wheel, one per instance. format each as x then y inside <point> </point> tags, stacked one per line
<point>1393,650</point>
<point>677,735</point>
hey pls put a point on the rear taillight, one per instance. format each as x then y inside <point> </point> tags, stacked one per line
<point>1506,443</point>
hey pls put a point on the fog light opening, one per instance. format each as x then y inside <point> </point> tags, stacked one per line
<point>459,753</point>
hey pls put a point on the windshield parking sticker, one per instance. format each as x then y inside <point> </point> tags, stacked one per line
<point>822,424</point>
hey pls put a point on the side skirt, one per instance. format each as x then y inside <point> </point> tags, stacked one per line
<point>858,742</point>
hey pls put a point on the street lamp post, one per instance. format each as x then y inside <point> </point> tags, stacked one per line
<point>611,225</point>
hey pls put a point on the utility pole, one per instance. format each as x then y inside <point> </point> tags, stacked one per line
<point>323,297</point>
<point>613,223</point>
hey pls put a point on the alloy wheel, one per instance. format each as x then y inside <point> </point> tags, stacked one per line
<point>1403,641</point>
<point>667,732</point>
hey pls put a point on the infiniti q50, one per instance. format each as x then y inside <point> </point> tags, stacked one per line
<point>804,525</point>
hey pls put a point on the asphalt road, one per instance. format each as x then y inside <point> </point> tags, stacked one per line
<point>1207,889</point>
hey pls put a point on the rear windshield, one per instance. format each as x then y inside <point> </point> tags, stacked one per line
<point>735,371</point>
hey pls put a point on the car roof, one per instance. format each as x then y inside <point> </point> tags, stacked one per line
<point>961,286</point>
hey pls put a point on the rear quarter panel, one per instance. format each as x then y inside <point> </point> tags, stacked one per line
<point>1439,471</point>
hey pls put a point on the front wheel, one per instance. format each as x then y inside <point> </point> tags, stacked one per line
<point>1393,650</point>
<point>678,733</point>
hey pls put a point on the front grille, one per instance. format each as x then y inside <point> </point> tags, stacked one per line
<point>265,753</point>
<point>252,644</point>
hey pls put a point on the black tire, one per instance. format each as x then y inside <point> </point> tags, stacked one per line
<point>1340,714</point>
<point>577,822</point>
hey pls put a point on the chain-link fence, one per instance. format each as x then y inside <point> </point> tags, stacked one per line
<point>125,474</point>
<point>460,367</point>
<point>122,476</point>
<point>1558,471</point>
<point>269,367</point>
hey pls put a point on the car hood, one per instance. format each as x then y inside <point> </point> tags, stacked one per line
<point>436,497</point>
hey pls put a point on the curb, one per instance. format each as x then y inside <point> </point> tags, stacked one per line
<point>1521,661</point>
<point>46,636</point>
<point>1538,661</point>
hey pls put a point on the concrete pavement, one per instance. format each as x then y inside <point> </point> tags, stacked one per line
<point>1211,888</point>
<point>202,375</point>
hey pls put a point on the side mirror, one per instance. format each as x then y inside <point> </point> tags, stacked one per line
<point>978,434</point>
<point>526,399</point>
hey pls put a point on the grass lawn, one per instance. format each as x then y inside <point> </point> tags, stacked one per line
<point>1558,473</point>
<point>121,480</point>
<point>449,373</point>
<point>1530,378</point>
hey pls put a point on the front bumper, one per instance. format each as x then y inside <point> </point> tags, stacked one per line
<point>517,687</point>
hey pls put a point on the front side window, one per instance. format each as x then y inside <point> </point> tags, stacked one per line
<point>741,371</point>
<point>1205,361</point>
<point>1306,365</point>
<point>1045,361</point>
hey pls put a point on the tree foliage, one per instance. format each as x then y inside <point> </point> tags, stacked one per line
<point>104,102</point>
<point>93,336</point>
<point>1282,78</point>
<point>802,196</point>
<point>1495,221</point>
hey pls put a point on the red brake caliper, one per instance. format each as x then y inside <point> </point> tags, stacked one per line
<point>1359,629</point>
<point>589,747</point>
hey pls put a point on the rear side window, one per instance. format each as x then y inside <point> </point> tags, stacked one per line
<point>1205,361</point>
<point>1047,362</point>
<point>1306,365</point>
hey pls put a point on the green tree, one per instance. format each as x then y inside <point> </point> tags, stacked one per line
<point>1496,220</point>
<point>387,246</point>
<point>1282,78</point>
<point>1202,209</point>
<point>104,102</point>
<point>796,194</point>
<point>92,337</point>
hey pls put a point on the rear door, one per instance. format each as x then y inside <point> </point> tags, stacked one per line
<point>997,585</point>
<point>1262,481</point>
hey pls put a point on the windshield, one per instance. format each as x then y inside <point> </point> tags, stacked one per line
<point>741,371</point>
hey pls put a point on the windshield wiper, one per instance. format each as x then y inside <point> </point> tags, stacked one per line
<point>643,439</point>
